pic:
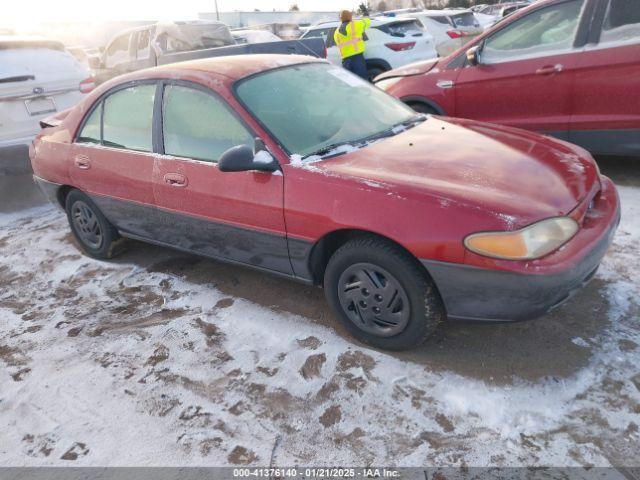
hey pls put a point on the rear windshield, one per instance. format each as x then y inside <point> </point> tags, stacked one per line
<point>466,19</point>
<point>35,60</point>
<point>405,28</point>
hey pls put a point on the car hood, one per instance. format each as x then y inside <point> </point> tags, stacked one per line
<point>417,68</point>
<point>515,176</point>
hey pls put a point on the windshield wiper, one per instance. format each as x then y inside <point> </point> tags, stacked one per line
<point>17,78</point>
<point>327,149</point>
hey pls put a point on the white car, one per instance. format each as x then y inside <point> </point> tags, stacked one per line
<point>450,28</point>
<point>391,43</point>
<point>38,78</point>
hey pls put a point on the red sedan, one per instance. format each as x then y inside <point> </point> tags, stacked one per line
<point>568,68</point>
<point>296,167</point>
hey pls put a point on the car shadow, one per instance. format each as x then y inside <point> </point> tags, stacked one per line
<point>551,347</point>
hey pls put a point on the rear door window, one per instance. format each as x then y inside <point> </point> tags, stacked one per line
<point>547,31</point>
<point>128,118</point>
<point>621,23</point>
<point>199,125</point>
<point>144,40</point>
<point>325,33</point>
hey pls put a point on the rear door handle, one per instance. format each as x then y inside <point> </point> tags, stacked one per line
<point>549,69</point>
<point>82,162</point>
<point>175,180</point>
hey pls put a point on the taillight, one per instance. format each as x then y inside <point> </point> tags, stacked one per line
<point>325,52</point>
<point>456,34</point>
<point>400,47</point>
<point>87,85</point>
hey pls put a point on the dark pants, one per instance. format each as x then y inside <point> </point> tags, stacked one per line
<point>356,64</point>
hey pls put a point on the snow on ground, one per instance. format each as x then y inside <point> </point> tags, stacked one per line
<point>130,363</point>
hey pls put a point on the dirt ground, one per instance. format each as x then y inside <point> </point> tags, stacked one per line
<point>163,358</point>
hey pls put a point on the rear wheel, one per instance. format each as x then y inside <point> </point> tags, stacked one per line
<point>92,230</point>
<point>373,72</point>
<point>381,295</point>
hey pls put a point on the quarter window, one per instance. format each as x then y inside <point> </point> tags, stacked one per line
<point>547,31</point>
<point>91,131</point>
<point>622,22</point>
<point>199,125</point>
<point>128,118</point>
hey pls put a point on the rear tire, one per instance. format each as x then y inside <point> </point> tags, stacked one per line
<point>95,234</point>
<point>382,295</point>
<point>373,72</point>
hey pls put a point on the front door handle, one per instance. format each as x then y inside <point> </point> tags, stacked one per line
<point>549,69</point>
<point>82,162</point>
<point>175,180</point>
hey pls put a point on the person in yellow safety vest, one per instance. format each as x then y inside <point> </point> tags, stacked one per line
<point>349,38</point>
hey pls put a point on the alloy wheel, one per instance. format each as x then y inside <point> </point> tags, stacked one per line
<point>87,224</point>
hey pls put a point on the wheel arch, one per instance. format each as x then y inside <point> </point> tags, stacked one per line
<point>417,99</point>
<point>327,245</point>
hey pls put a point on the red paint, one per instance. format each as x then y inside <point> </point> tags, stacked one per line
<point>597,87</point>
<point>426,188</point>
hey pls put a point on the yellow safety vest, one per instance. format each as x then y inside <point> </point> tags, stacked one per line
<point>352,43</point>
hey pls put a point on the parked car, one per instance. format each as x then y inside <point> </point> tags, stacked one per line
<point>450,28</point>
<point>169,42</point>
<point>404,218</point>
<point>391,43</point>
<point>567,68</point>
<point>38,77</point>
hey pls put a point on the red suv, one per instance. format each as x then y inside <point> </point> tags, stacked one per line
<point>260,160</point>
<point>568,68</point>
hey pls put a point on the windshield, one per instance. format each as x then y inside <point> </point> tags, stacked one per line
<point>311,106</point>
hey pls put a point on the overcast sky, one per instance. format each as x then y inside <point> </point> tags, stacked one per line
<point>23,12</point>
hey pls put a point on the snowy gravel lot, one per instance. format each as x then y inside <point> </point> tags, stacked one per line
<point>161,358</point>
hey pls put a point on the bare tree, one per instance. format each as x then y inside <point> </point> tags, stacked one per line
<point>294,8</point>
<point>382,6</point>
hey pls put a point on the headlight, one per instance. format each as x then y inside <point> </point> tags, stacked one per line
<point>387,83</point>
<point>531,242</point>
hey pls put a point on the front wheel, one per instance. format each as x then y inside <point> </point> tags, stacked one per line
<point>95,234</point>
<point>382,295</point>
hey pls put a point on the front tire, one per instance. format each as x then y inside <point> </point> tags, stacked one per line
<point>95,234</point>
<point>382,295</point>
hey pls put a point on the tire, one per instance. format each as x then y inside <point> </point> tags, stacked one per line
<point>373,72</point>
<point>95,234</point>
<point>368,273</point>
<point>423,108</point>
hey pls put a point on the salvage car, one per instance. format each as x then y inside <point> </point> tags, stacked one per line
<point>450,28</point>
<point>38,77</point>
<point>390,43</point>
<point>567,68</point>
<point>405,219</point>
<point>169,42</point>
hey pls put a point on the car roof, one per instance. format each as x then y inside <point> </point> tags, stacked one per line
<point>374,21</point>
<point>235,67</point>
<point>23,40</point>
<point>447,12</point>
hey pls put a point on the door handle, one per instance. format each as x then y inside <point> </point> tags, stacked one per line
<point>549,69</point>
<point>82,162</point>
<point>175,180</point>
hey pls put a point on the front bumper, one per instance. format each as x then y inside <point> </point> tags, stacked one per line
<point>474,293</point>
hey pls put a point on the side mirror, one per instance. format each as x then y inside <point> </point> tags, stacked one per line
<point>94,63</point>
<point>473,55</point>
<point>242,159</point>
